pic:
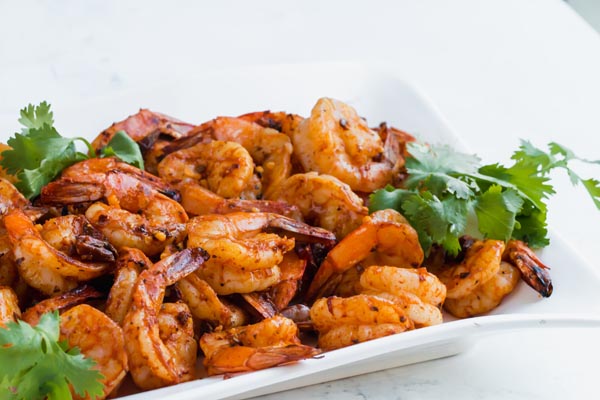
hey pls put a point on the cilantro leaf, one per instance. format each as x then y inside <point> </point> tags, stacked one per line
<point>125,148</point>
<point>35,365</point>
<point>445,186</point>
<point>496,212</point>
<point>39,153</point>
<point>36,117</point>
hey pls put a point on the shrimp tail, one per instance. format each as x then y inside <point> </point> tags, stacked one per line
<point>233,359</point>
<point>533,271</point>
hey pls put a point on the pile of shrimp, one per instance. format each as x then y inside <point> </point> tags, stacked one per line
<point>245,241</point>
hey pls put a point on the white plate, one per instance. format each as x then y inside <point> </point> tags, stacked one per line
<point>378,96</point>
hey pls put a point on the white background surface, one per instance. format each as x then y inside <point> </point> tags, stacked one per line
<point>498,70</point>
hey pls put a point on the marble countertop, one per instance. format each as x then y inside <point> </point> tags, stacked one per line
<point>498,70</point>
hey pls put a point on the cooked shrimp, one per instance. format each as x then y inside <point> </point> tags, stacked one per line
<point>384,238</point>
<point>271,342</point>
<point>153,362</point>
<point>176,331</point>
<point>269,149</point>
<point>324,201</point>
<point>533,271</point>
<point>60,303</point>
<point>486,296</point>
<point>419,293</point>
<point>99,338</point>
<point>206,305</point>
<point>336,141</point>
<point>417,281</point>
<point>480,264</point>
<point>9,306</point>
<point>8,269</point>
<point>75,236</point>
<point>144,127</point>
<point>224,168</point>
<point>292,269</point>
<point>197,200</point>
<point>227,280</point>
<point>90,180</point>
<point>345,321</point>
<point>279,120</point>
<point>130,264</point>
<point>244,258</point>
<point>10,197</point>
<point>41,265</point>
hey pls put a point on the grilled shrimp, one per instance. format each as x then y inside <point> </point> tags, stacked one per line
<point>244,258</point>
<point>130,264</point>
<point>9,306</point>
<point>271,342</point>
<point>10,197</point>
<point>280,121</point>
<point>269,149</point>
<point>486,296</point>
<point>324,201</point>
<point>384,238</point>
<point>336,141</point>
<point>205,305</point>
<point>419,293</point>
<point>480,264</point>
<point>533,271</point>
<point>60,303</point>
<point>41,265</point>
<point>99,338</point>
<point>342,322</point>
<point>292,269</point>
<point>144,127</point>
<point>152,361</point>
<point>88,181</point>
<point>224,168</point>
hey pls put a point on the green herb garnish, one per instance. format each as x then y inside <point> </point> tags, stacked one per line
<point>39,153</point>
<point>444,187</point>
<point>34,364</point>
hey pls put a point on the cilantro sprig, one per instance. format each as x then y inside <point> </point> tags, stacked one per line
<point>445,188</point>
<point>39,153</point>
<point>35,364</point>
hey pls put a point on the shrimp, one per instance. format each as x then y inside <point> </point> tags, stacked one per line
<point>533,271</point>
<point>324,201</point>
<point>224,168</point>
<point>280,121</point>
<point>342,322</point>
<point>486,296</point>
<point>144,127</point>
<point>89,180</point>
<point>9,306</point>
<point>480,264</point>
<point>130,264</point>
<point>99,338</point>
<point>197,200</point>
<point>271,342</point>
<point>205,305</point>
<point>41,265</point>
<point>8,269</point>
<point>176,331</point>
<point>60,303</point>
<point>217,177</point>
<point>75,236</point>
<point>10,197</point>
<point>245,259</point>
<point>419,293</point>
<point>269,149</point>
<point>384,238</point>
<point>336,141</point>
<point>292,269</point>
<point>152,361</point>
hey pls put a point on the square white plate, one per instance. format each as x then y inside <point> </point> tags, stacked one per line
<point>378,96</point>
